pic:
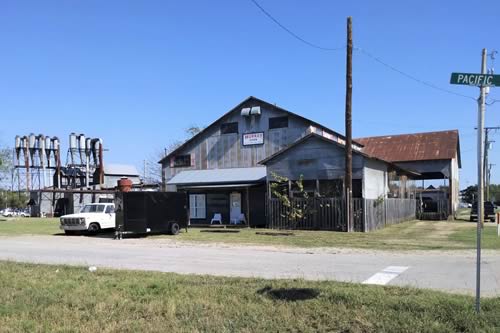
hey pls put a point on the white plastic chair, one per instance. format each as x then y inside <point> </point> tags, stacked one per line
<point>238,220</point>
<point>217,218</point>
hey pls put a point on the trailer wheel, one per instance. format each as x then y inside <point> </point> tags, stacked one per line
<point>174,228</point>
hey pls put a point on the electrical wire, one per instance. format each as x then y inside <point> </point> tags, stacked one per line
<point>366,53</point>
<point>293,34</point>
<point>411,77</point>
<point>493,101</point>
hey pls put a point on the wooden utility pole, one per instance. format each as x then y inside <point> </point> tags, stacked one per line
<point>348,130</point>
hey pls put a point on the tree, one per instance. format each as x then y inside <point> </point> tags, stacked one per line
<point>13,199</point>
<point>193,130</point>
<point>5,165</point>
<point>469,194</point>
<point>293,212</point>
<point>153,168</point>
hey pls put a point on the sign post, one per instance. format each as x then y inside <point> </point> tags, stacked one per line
<point>482,81</point>
<point>498,224</point>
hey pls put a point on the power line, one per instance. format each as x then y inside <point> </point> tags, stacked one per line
<point>377,59</point>
<point>293,34</point>
<point>411,77</point>
<point>493,101</point>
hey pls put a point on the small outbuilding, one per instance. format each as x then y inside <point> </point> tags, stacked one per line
<point>435,156</point>
<point>114,172</point>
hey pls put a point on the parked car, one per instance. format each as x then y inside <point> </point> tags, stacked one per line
<point>23,213</point>
<point>92,218</point>
<point>489,211</point>
<point>9,212</point>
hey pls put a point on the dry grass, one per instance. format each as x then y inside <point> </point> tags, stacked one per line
<point>415,235</point>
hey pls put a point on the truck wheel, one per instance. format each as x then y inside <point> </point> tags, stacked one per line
<point>174,228</point>
<point>94,228</point>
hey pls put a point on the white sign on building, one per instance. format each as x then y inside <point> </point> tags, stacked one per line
<point>250,139</point>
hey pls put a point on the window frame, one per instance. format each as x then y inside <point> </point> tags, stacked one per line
<point>184,157</point>
<point>200,203</point>
<point>279,121</point>
<point>229,127</point>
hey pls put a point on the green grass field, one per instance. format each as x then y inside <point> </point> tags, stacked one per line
<point>29,226</point>
<point>416,235</point>
<point>43,298</point>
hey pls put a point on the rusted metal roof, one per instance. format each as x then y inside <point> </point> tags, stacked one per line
<point>442,145</point>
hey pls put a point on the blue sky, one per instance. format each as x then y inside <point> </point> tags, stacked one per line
<point>137,73</point>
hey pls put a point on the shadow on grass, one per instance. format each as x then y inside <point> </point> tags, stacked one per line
<point>289,294</point>
<point>221,231</point>
<point>101,234</point>
<point>274,233</point>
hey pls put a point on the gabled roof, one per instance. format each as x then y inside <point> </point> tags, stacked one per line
<point>237,108</point>
<point>442,145</point>
<point>321,137</point>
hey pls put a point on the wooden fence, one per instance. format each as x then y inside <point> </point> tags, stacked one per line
<point>378,214</point>
<point>329,213</point>
<point>433,209</point>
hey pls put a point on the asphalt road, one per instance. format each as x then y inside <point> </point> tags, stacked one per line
<point>447,271</point>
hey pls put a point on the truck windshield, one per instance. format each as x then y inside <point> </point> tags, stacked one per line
<point>92,209</point>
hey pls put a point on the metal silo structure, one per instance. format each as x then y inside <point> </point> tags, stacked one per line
<point>73,147</point>
<point>88,150</point>
<point>41,152</point>
<point>97,154</point>
<point>81,148</point>
<point>26,149</point>
<point>48,149</point>
<point>32,147</point>
<point>57,158</point>
<point>17,147</point>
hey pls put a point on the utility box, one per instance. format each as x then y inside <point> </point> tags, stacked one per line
<point>151,212</point>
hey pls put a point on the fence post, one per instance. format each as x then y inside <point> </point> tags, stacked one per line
<point>364,216</point>
<point>385,212</point>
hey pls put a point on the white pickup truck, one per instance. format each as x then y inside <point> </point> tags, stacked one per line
<point>92,218</point>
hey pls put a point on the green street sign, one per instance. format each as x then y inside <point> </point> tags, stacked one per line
<point>471,79</point>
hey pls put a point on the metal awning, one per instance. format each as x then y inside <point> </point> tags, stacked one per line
<point>236,176</point>
<point>220,186</point>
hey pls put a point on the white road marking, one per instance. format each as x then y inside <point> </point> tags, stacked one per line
<point>386,275</point>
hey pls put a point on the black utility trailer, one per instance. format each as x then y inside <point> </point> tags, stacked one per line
<point>150,212</point>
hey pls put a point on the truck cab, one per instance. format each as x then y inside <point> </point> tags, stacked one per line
<point>489,211</point>
<point>92,218</point>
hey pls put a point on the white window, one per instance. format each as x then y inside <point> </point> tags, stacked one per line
<point>197,206</point>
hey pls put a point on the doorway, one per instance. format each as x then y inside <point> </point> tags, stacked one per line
<point>235,206</point>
